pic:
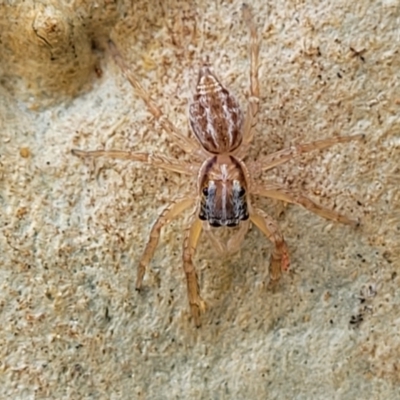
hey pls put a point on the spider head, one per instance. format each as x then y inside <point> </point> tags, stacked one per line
<point>223,197</point>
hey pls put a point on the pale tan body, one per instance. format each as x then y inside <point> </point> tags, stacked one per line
<point>224,171</point>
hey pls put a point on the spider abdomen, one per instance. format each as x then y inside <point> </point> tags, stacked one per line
<point>215,115</point>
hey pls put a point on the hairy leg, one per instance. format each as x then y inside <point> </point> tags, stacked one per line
<point>170,212</point>
<point>281,193</point>
<point>197,304</point>
<point>151,159</point>
<point>280,255</point>
<point>186,144</point>
<point>280,157</point>
<point>253,105</point>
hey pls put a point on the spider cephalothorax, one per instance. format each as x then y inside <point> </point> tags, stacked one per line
<point>223,192</point>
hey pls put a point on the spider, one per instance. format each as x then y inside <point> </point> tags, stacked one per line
<point>225,183</point>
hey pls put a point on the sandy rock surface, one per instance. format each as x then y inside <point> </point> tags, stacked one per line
<point>72,231</point>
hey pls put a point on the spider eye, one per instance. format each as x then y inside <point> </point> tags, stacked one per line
<point>205,191</point>
<point>242,192</point>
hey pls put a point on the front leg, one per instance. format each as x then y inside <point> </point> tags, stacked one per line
<point>280,255</point>
<point>170,212</point>
<point>196,303</point>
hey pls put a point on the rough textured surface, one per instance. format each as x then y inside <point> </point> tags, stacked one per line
<point>71,232</point>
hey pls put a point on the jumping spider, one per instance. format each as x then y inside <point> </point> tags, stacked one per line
<point>224,181</point>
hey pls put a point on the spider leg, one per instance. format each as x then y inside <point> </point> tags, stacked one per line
<point>280,255</point>
<point>170,212</point>
<point>186,144</point>
<point>253,105</point>
<point>151,159</point>
<point>197,304</point>
<point>281,193</point>
<point>280,157</point>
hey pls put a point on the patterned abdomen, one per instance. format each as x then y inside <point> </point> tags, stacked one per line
<point>215,115</point>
